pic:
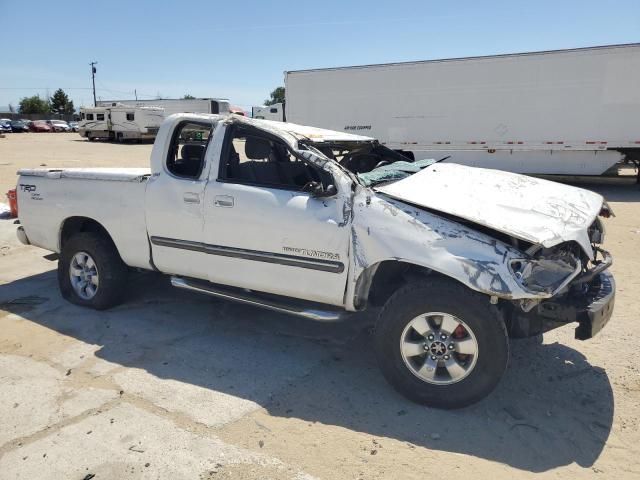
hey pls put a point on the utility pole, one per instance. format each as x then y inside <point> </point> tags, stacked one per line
<point>135,92</point>
<point>93,80</point>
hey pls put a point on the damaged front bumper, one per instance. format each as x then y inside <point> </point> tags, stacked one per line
<point>589,302</point>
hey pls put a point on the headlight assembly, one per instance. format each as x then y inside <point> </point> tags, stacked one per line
<point>596,232</point>
<point>546,274</point>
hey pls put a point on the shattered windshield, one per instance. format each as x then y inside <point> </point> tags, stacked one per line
<point>393,172</point>
<point>371,162</point>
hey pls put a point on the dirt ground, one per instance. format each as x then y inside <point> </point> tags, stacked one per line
<point>176,385</point>
<point>33,150</point>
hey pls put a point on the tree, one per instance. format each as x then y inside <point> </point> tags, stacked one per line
<point>60,103</point>
<point>277,96</point>
<point>34,104</point>
<point>188,97</point>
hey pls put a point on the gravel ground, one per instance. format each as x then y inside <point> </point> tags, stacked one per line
<point>175,385</point>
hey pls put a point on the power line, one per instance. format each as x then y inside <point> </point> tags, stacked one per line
<point>101,88</point>
<point>44,88</point>
<point>132,93</point>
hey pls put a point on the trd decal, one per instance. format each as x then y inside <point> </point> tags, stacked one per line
<point>27,188</point>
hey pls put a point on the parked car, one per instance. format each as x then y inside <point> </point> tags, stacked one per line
<point>73,126</point>
<point>322,224</point>
<point>19,126</point>
<point>5,125</point>
<point>40,126</point>
<point>59,125</point>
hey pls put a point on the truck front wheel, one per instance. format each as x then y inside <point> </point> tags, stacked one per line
<point>91,272</point>
<point>441,344</point>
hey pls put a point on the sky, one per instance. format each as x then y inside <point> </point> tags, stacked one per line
<point>239,50</point>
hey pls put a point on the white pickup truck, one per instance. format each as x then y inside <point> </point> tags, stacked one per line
<point>321,224</point>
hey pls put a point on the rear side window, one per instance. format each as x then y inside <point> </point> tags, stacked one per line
<point>89,116</point>
<point>99,116</point>
<point>189,142</point>
<point>130,116</point>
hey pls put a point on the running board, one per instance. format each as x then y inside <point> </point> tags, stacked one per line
<point>304,309</point>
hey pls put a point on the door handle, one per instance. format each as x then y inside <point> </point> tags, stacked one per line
<point>223,201</point>
<point>191,197</point>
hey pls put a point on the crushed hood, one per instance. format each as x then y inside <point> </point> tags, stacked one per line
<point>531,209</point>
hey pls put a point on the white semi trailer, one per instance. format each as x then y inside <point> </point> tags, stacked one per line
<point>570,112</point>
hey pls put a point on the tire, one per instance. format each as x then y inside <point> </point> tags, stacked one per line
<point>110,271</point>
<point>449,385</point>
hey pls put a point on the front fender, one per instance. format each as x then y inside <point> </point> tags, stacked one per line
<point>384,229</point>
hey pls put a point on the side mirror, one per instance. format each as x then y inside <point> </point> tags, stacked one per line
<point>316,189</point>
<point>330,191</point>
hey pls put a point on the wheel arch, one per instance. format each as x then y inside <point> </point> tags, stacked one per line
<point>379,281</point>
<point>77,224</point>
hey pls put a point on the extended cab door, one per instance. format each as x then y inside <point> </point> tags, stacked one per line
<point>263,232</point>
<point>174,200</point>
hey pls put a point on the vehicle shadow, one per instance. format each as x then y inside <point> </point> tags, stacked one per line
<point>551,409</point>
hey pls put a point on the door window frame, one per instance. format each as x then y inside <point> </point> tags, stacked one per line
<point>251,130</point>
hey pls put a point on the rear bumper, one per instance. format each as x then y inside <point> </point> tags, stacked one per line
<point>591,306</point>
<point>22,236</point>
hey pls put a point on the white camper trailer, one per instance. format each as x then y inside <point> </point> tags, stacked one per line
<point>135,123</point>
<point>121,122</point>
<point>269,112</point>
<point>171,106</point>
<point>568,112</point>
<point>94,123</point>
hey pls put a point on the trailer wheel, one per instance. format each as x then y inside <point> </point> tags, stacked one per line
<point>440,344</point>
<point>91,272</point>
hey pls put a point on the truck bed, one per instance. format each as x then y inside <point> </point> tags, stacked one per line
<point>113,197</point>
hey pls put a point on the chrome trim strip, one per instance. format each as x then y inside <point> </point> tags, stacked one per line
<point>255,255</point>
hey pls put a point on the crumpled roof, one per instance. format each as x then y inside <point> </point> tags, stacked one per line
<point>298,132</point>
<point>393,171</point>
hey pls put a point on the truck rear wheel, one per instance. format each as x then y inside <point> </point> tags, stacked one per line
<point>441,344</point>
<point>91,272</point>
